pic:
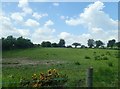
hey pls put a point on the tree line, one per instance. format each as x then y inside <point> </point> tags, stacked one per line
<point>11,42</point>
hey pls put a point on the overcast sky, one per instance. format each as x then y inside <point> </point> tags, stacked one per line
<point>50,21</point>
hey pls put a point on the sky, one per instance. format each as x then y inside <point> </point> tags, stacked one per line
<point>51,21</point>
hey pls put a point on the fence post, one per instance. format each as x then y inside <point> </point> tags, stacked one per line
<point>89,79</point>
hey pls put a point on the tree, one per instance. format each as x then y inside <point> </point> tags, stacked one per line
<point>8,43</point>
<point>83,46</point>
<point>54,45</point>
<point>24,43</point>
<point>117,44</point>
<point>76,44</point>
<point>46,44</point>
<point>91,43</point>
<point>61,43</point>
<point>12,43</point>
<point>99,43</point>
<point>69,46</point>
<point>111,43</point>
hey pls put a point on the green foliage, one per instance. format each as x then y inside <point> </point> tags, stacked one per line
<point>110,64</point>
<point>61,43</point>
<point>87,57</point>
<point>76,44</point>
<point>46,44</point>
<point>12,43</point>
<point>111,43</point>
<point>77,63</point>
<point>54,45</point>
<point>99,43</point>
<point>91,43</point>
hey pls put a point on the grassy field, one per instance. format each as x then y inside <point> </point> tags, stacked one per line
<point>69,61</point>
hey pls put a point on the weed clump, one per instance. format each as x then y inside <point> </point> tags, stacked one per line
<point>87,57</point>
<point>100,57</point>
<point>77,63</point>
<point>110,64</point>
<point>104,58</point>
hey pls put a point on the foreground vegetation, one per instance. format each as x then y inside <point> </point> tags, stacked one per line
<point>73,62</point>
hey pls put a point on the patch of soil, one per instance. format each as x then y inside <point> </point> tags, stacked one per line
<point>28,61</point>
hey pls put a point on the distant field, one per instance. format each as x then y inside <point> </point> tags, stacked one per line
<point>69,61</point>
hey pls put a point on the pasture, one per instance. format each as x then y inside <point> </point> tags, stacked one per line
<point>70,61</point>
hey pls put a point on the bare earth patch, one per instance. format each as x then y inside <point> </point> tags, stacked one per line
<point>28,61</point>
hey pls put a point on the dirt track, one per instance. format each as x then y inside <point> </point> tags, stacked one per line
<point>27,61</point>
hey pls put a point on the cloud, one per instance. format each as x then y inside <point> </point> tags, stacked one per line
<point>17,17</point>
<point>94,17</point>
<point>7,28</point>
<point>48,23</point>
<point>39,16</point>
<point>55,4</point>
<point>71,38</point>
<point>98,23</point>
<point>43,34</point>
<point>25,6</point>
<point>31,23</point>
<point>73,22</point>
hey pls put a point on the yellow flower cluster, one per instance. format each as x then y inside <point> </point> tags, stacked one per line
<point>45,79</point>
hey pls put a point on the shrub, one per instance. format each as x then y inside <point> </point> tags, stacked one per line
<point>110,64</point>
<point>87,57</point>
<point>51,79</point>
<point>97,58</point>
<point>104,58</point>
<point>108,53</point>
<point>102,54</point>
<point>77,63</point>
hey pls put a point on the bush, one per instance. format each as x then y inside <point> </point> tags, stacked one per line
<point>110,64</point>
<point>108,53</point>
<point>87,57</point>
<point>97,58</point>
<point>51,79</point>
<point>102,54</point>
<point>77,63</point>
<point>105,58</point>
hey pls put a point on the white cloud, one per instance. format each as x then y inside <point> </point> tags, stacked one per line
<point>43,34</point>
<point>48,23</point>
<point>71,38</point>
<point>31,23</point>
<point>25,6</point>
<point>96,21</point>
<point>55,4</point>
<point>73,22</point>
<point>17,17</point>
<point>8,29</point>
<point>39,16</point>
<point>23,3</point>
<point>94,17</point>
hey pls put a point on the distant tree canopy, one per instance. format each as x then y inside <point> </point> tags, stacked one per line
<point>118,44</point>
<point>11,43</point>
<point>49,44</point>
<point>46,44</point>
<point>61,43</point>
<point>76,44</point>
<point>91,43</point>
<point>111,43</point>
<point>99,43</point>
<point>54,45</point>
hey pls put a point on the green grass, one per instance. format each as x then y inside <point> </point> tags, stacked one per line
<point>105,75</point>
